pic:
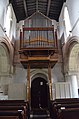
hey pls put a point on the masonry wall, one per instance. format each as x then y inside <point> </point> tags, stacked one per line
<point>73,10</point>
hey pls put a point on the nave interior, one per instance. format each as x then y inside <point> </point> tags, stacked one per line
<point>39,59</point>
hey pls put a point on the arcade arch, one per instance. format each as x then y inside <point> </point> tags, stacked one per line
<point>71,63</point>
<point>6,53</point>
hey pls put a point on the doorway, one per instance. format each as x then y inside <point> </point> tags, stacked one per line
<point>39,93</point>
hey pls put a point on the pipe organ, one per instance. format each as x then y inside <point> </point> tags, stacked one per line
<point>38,46</point>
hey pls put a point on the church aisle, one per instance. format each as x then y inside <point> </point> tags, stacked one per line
<point>40,114</point>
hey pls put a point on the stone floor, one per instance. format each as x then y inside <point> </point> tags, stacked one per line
<point>39,114</point>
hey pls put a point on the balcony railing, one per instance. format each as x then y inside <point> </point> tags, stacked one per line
<point>38,37</point>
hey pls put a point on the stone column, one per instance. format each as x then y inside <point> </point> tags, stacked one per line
<point>72,78</point>
<point>50,81</point>
<point>28,82</point>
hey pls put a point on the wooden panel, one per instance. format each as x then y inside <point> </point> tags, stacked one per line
<point>8,117</point>
<point>38,59</point>
<point>38,28</point>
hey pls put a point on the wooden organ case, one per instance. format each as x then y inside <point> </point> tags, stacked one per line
<point>38,46</point>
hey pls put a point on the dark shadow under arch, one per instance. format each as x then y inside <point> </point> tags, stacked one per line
<point>39,93</point>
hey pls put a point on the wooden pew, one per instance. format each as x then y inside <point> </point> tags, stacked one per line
<point>10,107</point>
<point>69,113</point>
<point>13,102</point>
<point>15,105</point>
<point>14,108</point>
<point>12,114</point>
<point>8,117</point>
<point>66,100</point>
<point>63,103</point>
<point>63,106</point>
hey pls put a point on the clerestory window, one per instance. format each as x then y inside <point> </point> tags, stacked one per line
<point>67,21</point>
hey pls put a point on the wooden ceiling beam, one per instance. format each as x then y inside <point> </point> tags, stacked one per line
<point>36,5</point>
<point>25,8</point>
<point>48,7</point>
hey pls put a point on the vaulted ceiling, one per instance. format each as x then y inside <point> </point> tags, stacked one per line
<point>25,8</point>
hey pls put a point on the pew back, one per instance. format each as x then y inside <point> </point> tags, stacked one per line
<point>69,113</point>
<point>8,117</point>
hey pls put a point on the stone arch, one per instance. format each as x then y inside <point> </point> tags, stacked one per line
<point>7,45</point>
<point>39,72</point>
<point>6,61</point>
<point>39,89</point>
<point>71,64</point>
<point>39,75</point>
<point>70,52</point>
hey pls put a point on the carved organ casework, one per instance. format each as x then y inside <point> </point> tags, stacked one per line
<point>38,46</point>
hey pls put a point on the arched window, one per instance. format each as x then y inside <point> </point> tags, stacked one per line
<point>8,23</point>
<point>67,21</point>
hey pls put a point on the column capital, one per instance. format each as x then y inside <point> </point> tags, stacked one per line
<point>70,73</point>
